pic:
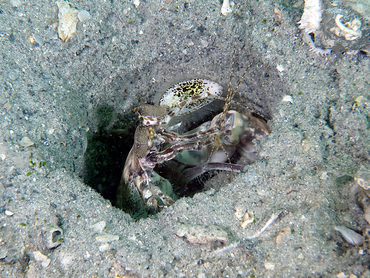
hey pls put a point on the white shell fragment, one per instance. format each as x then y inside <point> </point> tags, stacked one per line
<point>280,68</point>
<point>107,238</point>
<point>349,30</point>
<point>67,20</point>
<point>8,213</point>
<point>363,177</point>
<point>312,16</point>
<point>199,234</point>
<point>269,266</point>
<point>104,247</point>
<point>99,227</point>
<point>288,98</point>
<point>45,261</point>
<point>248,218</point>
<point>136,3</point>
<point>350,236</point>
<point>282,234</point>
<point>16,3</point>
<point>26,142</point>
<point>226,8</point>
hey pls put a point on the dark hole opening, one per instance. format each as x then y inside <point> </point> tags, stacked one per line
<point>107,151</point>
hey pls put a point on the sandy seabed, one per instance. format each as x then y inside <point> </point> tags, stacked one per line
<point>57,97</point>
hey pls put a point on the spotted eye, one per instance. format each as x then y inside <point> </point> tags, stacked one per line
<point>188,96</point>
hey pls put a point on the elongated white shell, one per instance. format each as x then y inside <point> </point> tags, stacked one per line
<point>350,236</point>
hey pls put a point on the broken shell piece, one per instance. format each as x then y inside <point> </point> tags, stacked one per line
<point>350,236</point>
<point>99,227</point>
<point>226,8</point>
<point>199,234</point>
<point>68,20</point>
<point>239,212</point>
<point>107,238</point>
<point>363,177</point>
<point>284,233</point>
<point>349,30</point>
<point>52,237</point>
<point>136,3</point>
<point>104,247</point>
<point>26,142</point>
<point>288,98</point>
<point>311,17</point>
<point>363,183</point>
<point>269,266</point>
<point>248,218</point>
<point>280,68</point>
<point>45,261</point>
<point>8,213</point>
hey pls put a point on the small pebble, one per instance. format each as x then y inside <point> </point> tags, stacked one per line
<point>342,275</point>
<point>204,43</point>
<point>269,266</point>
<point>83,15</point>
<point>104,247</point>
<point>107,238</point>
<point>38,39</point>
<point>16,3</point>
<point>280,68</point>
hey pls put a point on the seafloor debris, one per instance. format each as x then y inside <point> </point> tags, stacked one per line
<point>68,20</point>
<point>226,7</point>
<point>99,227</point>
<point>52,237</point>
<point>350,236</point>
<point>247,219</point>
<point>310,24</point>
<point>349,30</point>
<point>333,28</point>
<point>312,16</point>
<point>363,178</point>
<point>200,234</point>
<point>107,238</point>
<point>26,142</point>
<point>361,196</point>
<point>45,261</point>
